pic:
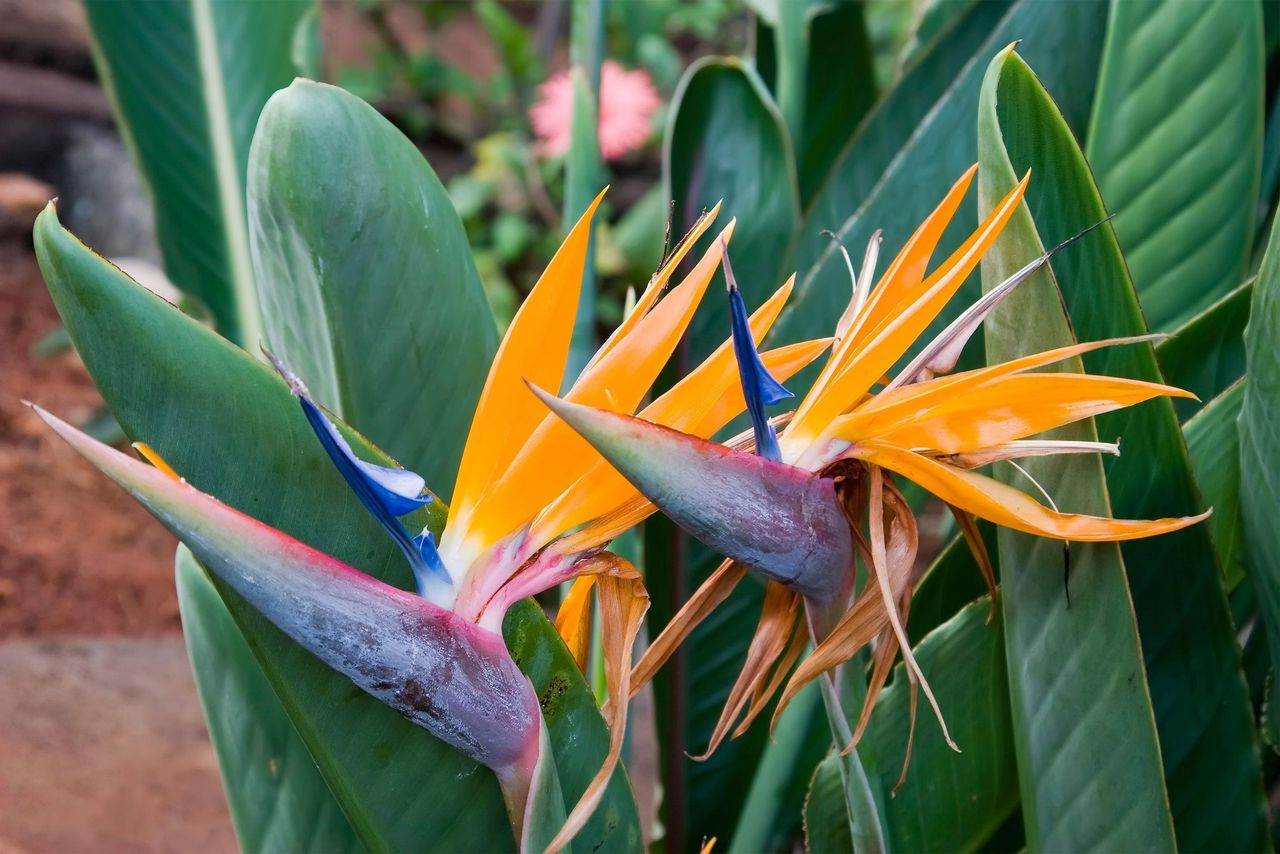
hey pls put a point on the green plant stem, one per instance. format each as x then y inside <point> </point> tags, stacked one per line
<point>859,797</point>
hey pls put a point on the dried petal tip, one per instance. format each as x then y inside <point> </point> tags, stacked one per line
<point>782,520</point>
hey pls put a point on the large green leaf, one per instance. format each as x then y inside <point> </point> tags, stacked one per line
<point>278,798</point>
<point>1260,442</point>
<point>1188,639</point>
<point>187,79</point>
<point>365,275</point>
<point>949,801</point>
<point>817,58</point>
<point>1214,443</point>
<point>1206,354</point>
<point>231,427</point>
<point>920,139</point>
<point>1088,755</point>
<point>726,141</point>
<point>1176,142</point>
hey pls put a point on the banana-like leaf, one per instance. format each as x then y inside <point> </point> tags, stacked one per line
<point>367,285</point>
<point>1176,143</point>
<point>1088,756</point>
<point>818,60</point>
<point>1213,440</point>
<point>726,142</point>
<point>187,79</point>
<point>952,581</point>
<point>920,139</point>
<point>1206,354</point>
<point>1188,638</point>
<point>949,801</point>
<point>231,427</point>
<point>1260,442</point>
<point>278,798</point>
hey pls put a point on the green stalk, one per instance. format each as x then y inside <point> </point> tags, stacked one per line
<point>584,172</point>
<point>859,797</point>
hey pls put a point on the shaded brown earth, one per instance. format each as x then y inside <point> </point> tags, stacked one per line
<point>75,555</point>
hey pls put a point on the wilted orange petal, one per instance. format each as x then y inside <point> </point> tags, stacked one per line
<point>705,599</point>
<point>777,620</point>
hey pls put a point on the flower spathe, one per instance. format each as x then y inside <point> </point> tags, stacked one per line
<point>922,423</point>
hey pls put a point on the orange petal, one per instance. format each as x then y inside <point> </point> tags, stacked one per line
<point>149,454</point>
<point>659,281</point>
<point>1017,406</point>
<point>992,500</point>
<point>700,404</point>
<point>888,410</point>
<point>535,347</point>
<point>705,599</point>
<point>573,620</point>
<point>623,603</point>
<point>554,456</point>
<point>886,343</point>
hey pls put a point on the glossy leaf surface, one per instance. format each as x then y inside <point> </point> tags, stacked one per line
<point>1176,141</point>
<point>1188,639</point>
<point>1076,674</point>
<point>368,290</point>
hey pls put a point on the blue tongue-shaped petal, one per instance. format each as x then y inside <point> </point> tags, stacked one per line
<point>784,521</point>
<point>387,493</point>
<point>759,388</point>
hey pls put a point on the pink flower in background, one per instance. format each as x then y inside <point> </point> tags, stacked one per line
<point>627,104</point>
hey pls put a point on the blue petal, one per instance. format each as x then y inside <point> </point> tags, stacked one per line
<point>385,492</point>
<point>758,386</point>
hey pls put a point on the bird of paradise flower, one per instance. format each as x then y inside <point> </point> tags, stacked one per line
<point>812,499</point>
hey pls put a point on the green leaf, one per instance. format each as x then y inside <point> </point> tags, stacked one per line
<point>1214,443</point>
<point>726,141</point>
<point>231,427</point>
<point>949,801</point>
<point>187,80</point>
<point>1076,668</point>
<point>1206,354</point>
<point>1188,638</point>
<point>1176,143</point>
<point>951,582</point>
<point>584,175</point>
<point>1260,442</point>
<point>919,140</point>
<point>368,289</point>
<point>823,74</point>
<point>278,798</point>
